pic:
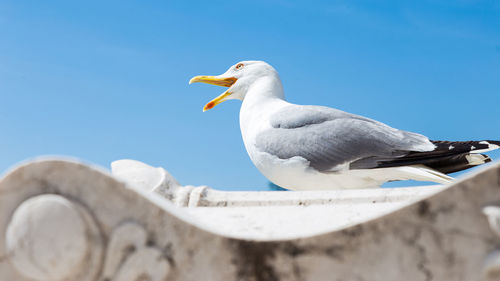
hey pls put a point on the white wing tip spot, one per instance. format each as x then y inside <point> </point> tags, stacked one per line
<point>475,159</point>
<point>490,146</point>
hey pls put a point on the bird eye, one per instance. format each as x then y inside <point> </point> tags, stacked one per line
<point>239,66</point>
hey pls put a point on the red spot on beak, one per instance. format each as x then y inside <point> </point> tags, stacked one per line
<point>209,105</point>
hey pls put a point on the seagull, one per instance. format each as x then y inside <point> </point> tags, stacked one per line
<point>308,147</point>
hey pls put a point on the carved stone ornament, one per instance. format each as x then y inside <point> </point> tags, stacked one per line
<point>130,258</point>
<point>63,220</point>
<point>51,238</point>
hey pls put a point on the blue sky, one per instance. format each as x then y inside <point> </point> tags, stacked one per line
<point>106,80</point>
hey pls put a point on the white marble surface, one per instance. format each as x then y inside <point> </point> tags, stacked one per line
<point>271,215</point>
<point>132,228</point>
<point>287,215</point>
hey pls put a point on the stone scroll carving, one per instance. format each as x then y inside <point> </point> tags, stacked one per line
<point>129,256</point>
<point>95,227</point>
<point>52,238</point>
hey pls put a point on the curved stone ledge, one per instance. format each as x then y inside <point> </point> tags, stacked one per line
<point>143,224</point>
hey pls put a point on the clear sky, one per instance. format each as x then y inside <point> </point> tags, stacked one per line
<point>107,80</point>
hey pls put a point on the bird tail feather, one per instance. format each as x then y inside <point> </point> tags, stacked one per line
<point>424,173</point>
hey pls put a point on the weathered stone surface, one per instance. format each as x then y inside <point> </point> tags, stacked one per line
<point>144,176</point>
<point>51,238</point>
<point>129,257</point>
<point>431,233</point>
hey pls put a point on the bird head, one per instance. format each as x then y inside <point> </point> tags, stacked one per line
<point>238,78</point>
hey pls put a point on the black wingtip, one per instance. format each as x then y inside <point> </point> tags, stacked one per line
<point>487,159</point>
<point>495,142</point>
<point>457,147</point>
<point>447,157</point>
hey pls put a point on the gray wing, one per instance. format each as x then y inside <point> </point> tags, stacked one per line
<point>328,137</point>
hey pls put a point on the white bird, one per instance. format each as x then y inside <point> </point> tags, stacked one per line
<point>306,147</point>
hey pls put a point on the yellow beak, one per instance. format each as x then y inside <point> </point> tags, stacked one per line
<point>216,101</point>
<point>214,80</point>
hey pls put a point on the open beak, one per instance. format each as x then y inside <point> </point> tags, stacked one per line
<point>215,80</point>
